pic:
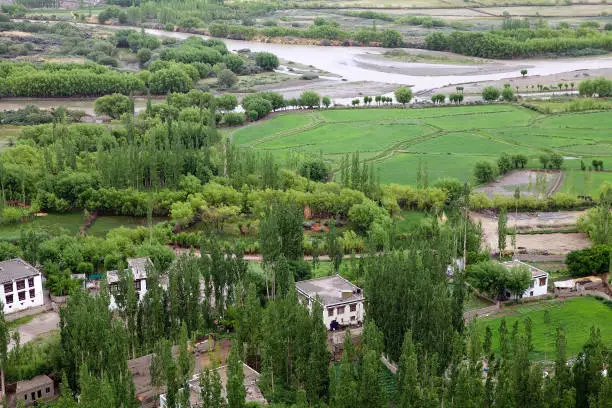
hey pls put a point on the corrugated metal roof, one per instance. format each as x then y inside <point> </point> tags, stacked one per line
<point>14,269</point>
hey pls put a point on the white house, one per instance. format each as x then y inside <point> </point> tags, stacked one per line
<point>138,267</point>
<point>20,286</point>
<point>341,300</point>
<point>539,279</point>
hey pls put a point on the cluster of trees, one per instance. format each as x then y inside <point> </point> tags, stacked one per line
<point>491,93</point>
<point>521,42</point>
<point>495,279</point>
<point>590,87</point>
<point>322,29</point>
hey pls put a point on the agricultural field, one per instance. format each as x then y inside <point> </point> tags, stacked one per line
<point>447,141</point>
<point>575,316</point>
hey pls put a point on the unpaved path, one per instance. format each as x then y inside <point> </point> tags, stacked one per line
<point>41,325</point>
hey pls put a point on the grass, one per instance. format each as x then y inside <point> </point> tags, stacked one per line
<point>106,223</point>
<point>54,222</point>
<point>19,321</point>
<point>576,316</point>
<point>8,135</point>
<point>446,140</point>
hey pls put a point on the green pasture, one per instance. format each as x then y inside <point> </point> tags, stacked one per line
<point>447,141</point>
<point>53,222</point>
<point>576,317</point>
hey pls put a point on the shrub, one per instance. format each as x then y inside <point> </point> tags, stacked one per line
<point>507,94</point>
<point>403,95</point>
<point>255,103</point>
<point>113,105</point>
<point>315,169</point>
<point>266,60</point>
<point>310,99</point>
<point>594,260</point>
<point>226,102</point>
<point>234,119</point>
<point>490,93</point>
<point>144,55</point>
<point>226,79</point>
<point>169,80</point>
<point>484,172</point>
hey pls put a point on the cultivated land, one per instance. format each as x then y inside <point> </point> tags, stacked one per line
<point>448,140</point>
<point>575,316</point>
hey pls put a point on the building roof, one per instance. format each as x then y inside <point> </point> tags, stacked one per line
<point>535,272</point>
<point>14,269</point>
<point>33,383</point>
<point>331,290</point>
<point>138,266</point>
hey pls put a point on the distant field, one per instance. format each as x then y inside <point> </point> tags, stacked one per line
<point>448,141</point>
<point>575,316</point>
<point>54,222</point>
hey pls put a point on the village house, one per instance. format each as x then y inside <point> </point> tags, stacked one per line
<point>31,392</point>
<point>20,286</point>
<point>539,279</point>
<point>251,379</point>
<point>138,267</point>
<point>343,302</point>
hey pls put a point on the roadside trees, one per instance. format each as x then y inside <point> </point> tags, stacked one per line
<point>310,99</point>
<point>403,95</point>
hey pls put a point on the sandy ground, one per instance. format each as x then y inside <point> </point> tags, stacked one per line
<point>522,179</point>
<point>553,244</point>
<point>42,325</point>
<point>525,83</point>
<point>332,88</point>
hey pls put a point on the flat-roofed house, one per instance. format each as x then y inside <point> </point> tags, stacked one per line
<point>20,286</point>
<point>539,279</point>
<point>33,391</point>
<point>138,266</point>
<point>342,301</point>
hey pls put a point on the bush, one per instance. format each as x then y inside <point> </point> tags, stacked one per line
<point>315,169</point>
<point>484,172</point>
<point>507,94</point>
<point>234,119</point>
<point>255,103</point>
<point>226,79</point>
<point>234,63</point>
<point>310,99</point>
<point>266,60</point>
<point>113,105</point>
<point>594,260</point>
<point>490,93</point>
<point>403,95</point>
<point>169,80</point>
<point>144,55</point>
<point>226,102</point>
<point>391,39</point>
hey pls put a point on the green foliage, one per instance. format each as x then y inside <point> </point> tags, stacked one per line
<point>403,95</point>
<point>589,261</point>
<point>484,172</point>
<point>234,119</point>
<point>315,169</point>
<point>310,99</point>
<point>226,79</point>
<point>169,80</point>
<point>600,87</point>
<point>491,93</point>
<point>266,60</point>
<point>113,105</point>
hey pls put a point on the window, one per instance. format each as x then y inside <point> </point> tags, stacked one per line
<point>137,285</point>
<point>33,395</point>
<point>353,307</point>
<point>341,310</point>
<point>20,285</point>
<point>8,287</point>
<point>352,318</point>
<point>39,393</point>
<point>31,282</point>
<point>32,294</point>
<point>114,288</point>
<point>21,296</point>
<point>25,397</point>
<point>330,312</point>
<point>47,390</point>
<point>9,299</point>
<point>543,281</point>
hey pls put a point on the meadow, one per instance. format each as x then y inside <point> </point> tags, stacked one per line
<point>576,317</point>
<point>447,141</point>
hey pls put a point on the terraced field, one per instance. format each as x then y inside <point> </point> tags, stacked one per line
<point>447,140</point>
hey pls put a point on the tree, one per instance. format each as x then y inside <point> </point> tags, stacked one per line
<point>226,79</point>
<point>519,279</point>
<point>556,160</point>
<point>391,39</point>
<point>504,163</point>
<point>523,72</point>
<point>371,394</point>
<point>488,277</point>
<point>334,248</point>
<point>484,172</point>
<point>403,95</point>
<point>315,169</point>
<point>408,375</point>
<point>519,160</point>
<point>502,221</point>
<point>490,93</point>
<point>234,63</point>
<point>266,60</point>
<point>544,160</point>
<point>326,101</point>
<point>310,99</point>
<point>113,105</point>
<point>169,80</point>
<point>5,337</point>
<point>507,94</point>
<point>236,393</point>
<point>317,377</point>
<point>144,55</point>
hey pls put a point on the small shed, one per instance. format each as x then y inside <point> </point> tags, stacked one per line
<point>33,391</point>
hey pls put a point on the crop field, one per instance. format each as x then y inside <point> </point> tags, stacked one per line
<point>448,141</point>
<point>576,317</point>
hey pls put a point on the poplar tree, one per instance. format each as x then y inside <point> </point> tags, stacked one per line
<point>409,392</point>
<point>236,393</point>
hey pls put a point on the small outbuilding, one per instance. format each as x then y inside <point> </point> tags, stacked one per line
<point>33,391</point>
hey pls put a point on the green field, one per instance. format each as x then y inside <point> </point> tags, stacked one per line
<point>445,140</point>
<point>53,222</point>
<point>575,316</point>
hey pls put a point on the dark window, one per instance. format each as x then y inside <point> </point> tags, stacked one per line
<point>352,318</point>
<point>542,281</point>
<point>137,285</point>
<point>9,299</point>
<point>341,310</point>
<point>114,288</point>
<point>330,312</point>
<point>33,395</point>
<point>353,307</point>
<point>20,284</point>
<point>32,294</point>
<point>47,390</point>
<point>31,282</point>
<point>25,397</point>
<point>8,287</point>
<point>21,296</point>
<point>39,393</point>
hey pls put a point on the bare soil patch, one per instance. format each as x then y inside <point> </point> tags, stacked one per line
<point>525,180</point>
<point>537,244</point>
